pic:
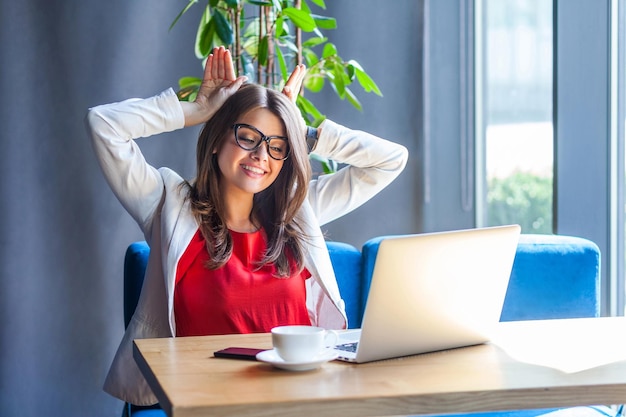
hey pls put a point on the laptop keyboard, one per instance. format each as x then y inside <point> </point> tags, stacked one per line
<point>348,347</point>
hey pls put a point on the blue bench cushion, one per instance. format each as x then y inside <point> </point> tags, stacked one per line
<point>346,260</point>
<point>135,263</point>
<point>553,277</point>
<point>149,413</point>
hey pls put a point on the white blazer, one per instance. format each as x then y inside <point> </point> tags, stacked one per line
<point>154,198</point>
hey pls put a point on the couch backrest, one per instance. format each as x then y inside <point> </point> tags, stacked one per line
<point>346,260</point>
<point>552,277</point>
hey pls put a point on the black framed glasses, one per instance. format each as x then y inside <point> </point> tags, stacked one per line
<point>250,138</point>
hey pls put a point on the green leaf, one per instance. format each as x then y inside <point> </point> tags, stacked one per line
<point>204,36</point>
<point>309,57</point>
<point>314,41</point>
<point>300,18</point>
<point>182,12</point>
<point>320,3</point>
<point>324,22</point>
<point>367,83</point>
<point>290,45</point>
<point>252,29</point>
<point>260,2</point>
<point>308,110</point>
<point>314,80</point>
<point>223,28</point>
<point>304,6</point>
<point>353,100</point>
<point>329,50</point>
<point>188,93</point>
<point>282,64</point>
<point>185,82</point>
<point>233,4</point>
<point>279,26</point>
<point>316,157</point>
<point>328,165</point>
<point>355,64</point>
<point>317,33</point>
<point>364,79</point>
<point>251,45</point>
<point>263,51</point>
<point>351,72</point>
<point>336,75</point>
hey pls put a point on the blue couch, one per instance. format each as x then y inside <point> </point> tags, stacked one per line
<point>553,277</point>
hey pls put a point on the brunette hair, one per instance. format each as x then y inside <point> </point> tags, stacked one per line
<point>274,208</point>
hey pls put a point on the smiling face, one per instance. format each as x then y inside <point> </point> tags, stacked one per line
<point>250,172</point>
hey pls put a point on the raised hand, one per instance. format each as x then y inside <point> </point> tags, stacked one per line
<point>218,83</point>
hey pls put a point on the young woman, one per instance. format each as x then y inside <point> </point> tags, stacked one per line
<point>239,248</point>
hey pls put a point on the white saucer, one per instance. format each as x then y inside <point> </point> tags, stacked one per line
<point>270,356</point>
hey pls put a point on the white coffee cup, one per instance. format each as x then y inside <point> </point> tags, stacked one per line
<point>301,343</point>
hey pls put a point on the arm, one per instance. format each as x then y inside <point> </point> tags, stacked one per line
<point>372,164</point>
<point>113,128</point>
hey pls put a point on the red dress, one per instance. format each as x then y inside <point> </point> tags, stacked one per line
<point>236,298</point>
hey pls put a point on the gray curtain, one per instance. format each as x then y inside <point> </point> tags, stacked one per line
<point>63,233</point>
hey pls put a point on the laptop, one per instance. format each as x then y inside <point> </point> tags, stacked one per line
<point>432,292</point>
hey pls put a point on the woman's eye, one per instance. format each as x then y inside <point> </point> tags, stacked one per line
<point>246,140</point>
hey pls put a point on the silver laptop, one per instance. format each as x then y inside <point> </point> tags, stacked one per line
<point>432,292</point>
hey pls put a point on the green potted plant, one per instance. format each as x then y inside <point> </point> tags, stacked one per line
<point>267,39</point>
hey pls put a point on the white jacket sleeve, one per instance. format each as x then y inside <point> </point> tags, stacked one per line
<point>372,164</point>
<point>113,128</point>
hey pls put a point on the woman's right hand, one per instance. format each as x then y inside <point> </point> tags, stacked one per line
<point>219,83</point>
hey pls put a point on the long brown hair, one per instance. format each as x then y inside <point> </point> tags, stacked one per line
<point>275,208</point>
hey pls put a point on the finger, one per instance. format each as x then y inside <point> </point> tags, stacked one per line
<point>228,67</point>
<point>215,63</point>
<point>296,77</point>
<point>208,68</point>
<point>293,76</point>
<point>220,63</point>
<point>294,82</point>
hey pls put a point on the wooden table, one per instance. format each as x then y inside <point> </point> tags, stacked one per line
<point>534,364</point>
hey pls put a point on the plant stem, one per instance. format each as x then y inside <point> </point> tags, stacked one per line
<point>298,5</point>
<point>237,48</point>
<point>259,71</point>
<point>270,48</point>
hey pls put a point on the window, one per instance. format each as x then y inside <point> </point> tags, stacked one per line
<point>514,96</point>
<point>510,86</point>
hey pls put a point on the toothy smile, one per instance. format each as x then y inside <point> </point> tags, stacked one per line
<point>253,169</point>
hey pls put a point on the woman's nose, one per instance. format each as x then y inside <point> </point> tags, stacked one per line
<point>262,152</point>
